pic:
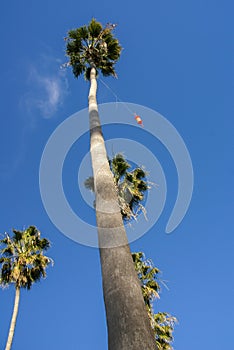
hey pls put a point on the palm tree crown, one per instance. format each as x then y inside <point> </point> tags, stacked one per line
<point>93,46</point>
<point>22,259</point>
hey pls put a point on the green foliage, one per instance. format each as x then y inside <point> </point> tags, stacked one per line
<point>131,185</point>
<point>119,166</point>
<point>162,323</point>
<point>89,183</point>
<point>22,258</point>
<point>94,29</point>
<point>92,46</point>
<point>147,275</point>
<point>163,327</point>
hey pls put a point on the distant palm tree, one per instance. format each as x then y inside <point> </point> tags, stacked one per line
<point>22,263</point>
<point>92,49</point>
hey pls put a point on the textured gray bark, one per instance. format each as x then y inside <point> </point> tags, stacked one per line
<point>13,319</point>
<point>127,319</point>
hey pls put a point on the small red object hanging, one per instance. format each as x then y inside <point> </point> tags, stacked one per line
<point>138,120</point>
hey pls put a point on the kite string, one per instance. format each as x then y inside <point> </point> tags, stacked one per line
<point>116,97</point>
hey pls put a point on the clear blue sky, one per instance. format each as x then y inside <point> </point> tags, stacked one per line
<point>177,60</point>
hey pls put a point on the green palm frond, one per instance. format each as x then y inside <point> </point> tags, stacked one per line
<point>89,183</point>
<point>94,29</point>
<point>162,323</point>
<point>87,71</point>
<point>83,33</point>
<point>163,327</point>
<point>147,274</point>
<point>119,166</point>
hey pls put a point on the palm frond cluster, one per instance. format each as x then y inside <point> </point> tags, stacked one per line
<point>162,323</point>
<point>92,46</point>
<point>130,186</point>
<point>22,258</point>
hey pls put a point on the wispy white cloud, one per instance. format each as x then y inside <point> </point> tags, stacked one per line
<point>50,94</point>
<point>46,90</point>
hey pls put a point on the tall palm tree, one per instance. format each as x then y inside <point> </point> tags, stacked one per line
<point>22,263</point>
<point>92,49</point>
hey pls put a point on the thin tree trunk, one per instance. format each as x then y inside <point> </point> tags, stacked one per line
<point>13,319</point>
<point>127,319</point>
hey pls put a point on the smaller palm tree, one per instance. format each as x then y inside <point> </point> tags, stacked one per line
<point>22,263</point>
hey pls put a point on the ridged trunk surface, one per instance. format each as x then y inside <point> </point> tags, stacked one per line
<point>127,320</point>
<point>13,319</point>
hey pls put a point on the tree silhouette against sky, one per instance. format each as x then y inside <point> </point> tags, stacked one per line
<point>22,263</point>
<point>91,50</point>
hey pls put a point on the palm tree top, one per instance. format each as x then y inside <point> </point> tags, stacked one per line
<point>93,46</point>
<point>22,258</point>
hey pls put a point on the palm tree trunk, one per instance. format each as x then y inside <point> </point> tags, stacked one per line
<point>127,320</point>
<point>13,319</point>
